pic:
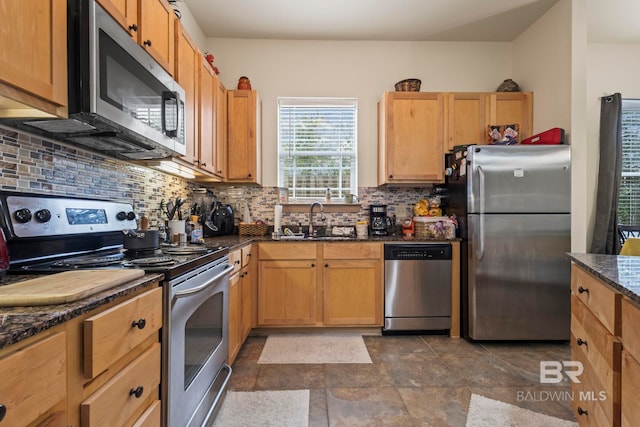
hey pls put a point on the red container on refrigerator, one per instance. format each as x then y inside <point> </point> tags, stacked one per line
<point>551,136</point>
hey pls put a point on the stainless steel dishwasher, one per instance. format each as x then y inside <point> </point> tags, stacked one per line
<point>417,287</point>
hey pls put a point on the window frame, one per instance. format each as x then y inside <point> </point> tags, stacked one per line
<point>318,102</point>
<point>629,104</point>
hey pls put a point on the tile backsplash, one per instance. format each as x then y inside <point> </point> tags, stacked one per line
<point>34,164</point>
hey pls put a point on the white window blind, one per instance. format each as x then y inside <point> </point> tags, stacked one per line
<point>317,146</point>
<point>629,197</point>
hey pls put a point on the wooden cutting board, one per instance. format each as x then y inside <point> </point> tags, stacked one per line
<point>64,287</point>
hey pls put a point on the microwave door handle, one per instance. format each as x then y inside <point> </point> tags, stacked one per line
<point>195,290</point>
<point>174,99</point>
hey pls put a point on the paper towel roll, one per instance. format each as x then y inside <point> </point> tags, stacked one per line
<point>277,219</point>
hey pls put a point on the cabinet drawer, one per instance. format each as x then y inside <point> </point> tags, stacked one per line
<point>150,417</point>
<point>599,351</point>
<point>115,332</point>
<point>359,250</point>
<point>287,251</point>
<point>630,405</point>
<point>33,380</point>
<point>115,402</point>
<point>247,253</point>
<point>630,331</point>
<point>235,258</point>
<point>603,301</point>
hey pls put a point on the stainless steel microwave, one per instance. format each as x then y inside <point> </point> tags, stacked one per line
<point>121,101</point>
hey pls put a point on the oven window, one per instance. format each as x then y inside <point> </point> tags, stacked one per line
<point>203,335</point>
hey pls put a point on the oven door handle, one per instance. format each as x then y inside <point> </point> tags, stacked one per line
<point>188,292</point>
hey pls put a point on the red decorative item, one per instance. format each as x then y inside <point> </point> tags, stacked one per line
<point>551,136</point>
<point>209,57</point>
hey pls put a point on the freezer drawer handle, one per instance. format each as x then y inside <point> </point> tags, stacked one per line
<point>580,341</point>
<point>582,290</point>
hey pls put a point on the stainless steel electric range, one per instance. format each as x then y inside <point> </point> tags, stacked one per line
<point>49,234</point>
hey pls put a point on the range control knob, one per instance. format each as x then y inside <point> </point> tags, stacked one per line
<point>22,215</point>
<point>121,216</point>
<point>131,216</point>
<point>43,215</point>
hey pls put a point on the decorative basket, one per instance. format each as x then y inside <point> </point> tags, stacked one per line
<point>252,229</point>
<point>434,227</point>
<point>408,85</point>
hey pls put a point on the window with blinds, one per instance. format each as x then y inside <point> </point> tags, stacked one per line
<point>629,197</point>
<point>317,142</point>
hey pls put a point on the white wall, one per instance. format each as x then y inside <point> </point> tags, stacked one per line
<point>548,59</point>
<point>611,68</point>
<point>363,70</point>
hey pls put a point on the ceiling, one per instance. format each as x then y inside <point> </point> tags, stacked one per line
<point>401,20</point>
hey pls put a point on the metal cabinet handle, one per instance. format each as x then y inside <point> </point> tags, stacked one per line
<point>582,290</point>
<point>313,265</point>
<point>326,265</point>
<point>133,27</point>
<point>582,411</point>
<point>137,392</point>
<point>141,323</point>
<point>147,43</point>
<point>580,341</point>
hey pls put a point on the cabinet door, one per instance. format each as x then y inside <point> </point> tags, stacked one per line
<point>505,108</point>
<point>125,12</point>
<point>466,119</point>
<point>287,293</point>
<point>243,136</point>
<point>411,138</point>
<point>352,292</point>
<point>220,128</point>
<point>235,301</point>
<point>205,116</point>
<point>186,74</point>
<point>34,379</point>
<point>33,58</point>
<point>247,281</point>
<point>156,31</point>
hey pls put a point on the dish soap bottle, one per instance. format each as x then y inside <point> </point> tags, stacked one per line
<point>327,196</point>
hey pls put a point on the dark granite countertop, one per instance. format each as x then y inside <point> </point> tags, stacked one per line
<point>234,241</point>
<point>620,272</point>
<point>19,323</point>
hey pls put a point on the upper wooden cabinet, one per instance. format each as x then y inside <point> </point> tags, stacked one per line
<point>187,62</point>
<point>410,138</point>
<point>33,58</point>
<point>244,130</point>
<point>469,114</point>
<point>219,128</point>
<point>150,23</point>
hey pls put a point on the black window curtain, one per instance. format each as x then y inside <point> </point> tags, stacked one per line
<point>605,237</point>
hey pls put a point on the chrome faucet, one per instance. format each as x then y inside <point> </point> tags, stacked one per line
<point>313,205</point>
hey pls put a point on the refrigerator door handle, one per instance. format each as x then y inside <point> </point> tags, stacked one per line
<point>480,242</point>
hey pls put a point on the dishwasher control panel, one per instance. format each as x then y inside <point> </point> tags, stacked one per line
<point>417,251</point>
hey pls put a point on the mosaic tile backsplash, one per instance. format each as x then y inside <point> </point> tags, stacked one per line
<point>33,164</point>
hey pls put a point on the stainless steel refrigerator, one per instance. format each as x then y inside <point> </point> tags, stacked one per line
<point>516,230</point>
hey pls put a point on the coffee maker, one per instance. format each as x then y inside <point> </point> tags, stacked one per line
<point>378,220</point>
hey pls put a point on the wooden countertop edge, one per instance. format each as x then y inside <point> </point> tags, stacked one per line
<point>20,323</point>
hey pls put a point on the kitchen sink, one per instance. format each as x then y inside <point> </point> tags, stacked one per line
<point>330,238</point>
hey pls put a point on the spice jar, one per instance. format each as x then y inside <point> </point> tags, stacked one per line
<point>244,83</point>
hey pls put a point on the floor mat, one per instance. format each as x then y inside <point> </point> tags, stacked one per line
<point>286,408</point>
<point>485,412</point>
<point>314,348</point>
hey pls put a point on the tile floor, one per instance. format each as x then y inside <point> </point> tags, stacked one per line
<point>413,381</point>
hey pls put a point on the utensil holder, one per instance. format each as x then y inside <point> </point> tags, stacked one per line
<point>177,227</point>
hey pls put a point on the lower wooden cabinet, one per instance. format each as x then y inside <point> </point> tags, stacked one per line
<point>34,383</point>
<point>329,284</point>
<point>134,389</point>
<point>241,299</point>
<point>287,292</point>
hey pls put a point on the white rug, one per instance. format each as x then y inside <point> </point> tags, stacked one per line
<point>485,412</point>
<point>286,408</point>
<point>314,348</point>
